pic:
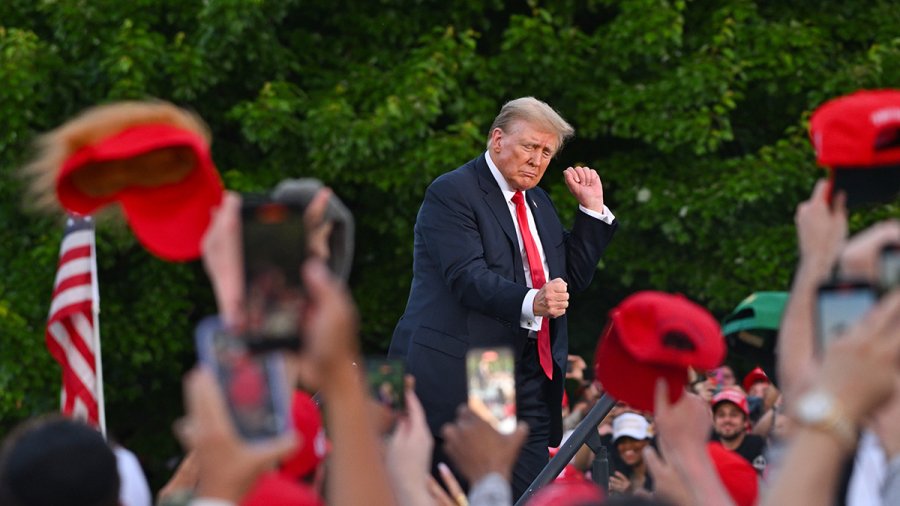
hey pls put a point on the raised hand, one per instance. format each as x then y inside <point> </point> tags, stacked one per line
<point>409,454</point>
<point>478,449</point>
<point>331,321</point>
<point>585,186</point>
<point>226,465</point>
<point>223,260</point>
<point>821,229</point>
<point>861,258</point>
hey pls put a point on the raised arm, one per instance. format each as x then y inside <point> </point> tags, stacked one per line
<point>821,233</point>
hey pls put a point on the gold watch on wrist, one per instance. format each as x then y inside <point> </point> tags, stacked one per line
<point>818,409</point>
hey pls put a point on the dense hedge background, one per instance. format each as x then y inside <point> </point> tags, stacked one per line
<point>693,111</point>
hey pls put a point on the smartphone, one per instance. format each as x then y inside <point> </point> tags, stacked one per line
<point>838,306</point>
<point>718,381</point>
<point>385,378</point>
<point>867,186</point>
<point>274,248</point>
<point>890,266</point>
<point>490,373</point>
<point>337,242</point>
<point>254,384</point>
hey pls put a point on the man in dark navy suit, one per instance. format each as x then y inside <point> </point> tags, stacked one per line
<point>493,266</point>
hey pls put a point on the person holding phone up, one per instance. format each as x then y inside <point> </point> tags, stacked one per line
<point>493,266</point>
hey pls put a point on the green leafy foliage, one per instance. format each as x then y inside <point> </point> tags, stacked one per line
<point>694,113</point>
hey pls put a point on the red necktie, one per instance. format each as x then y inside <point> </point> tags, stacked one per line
<point>537,281</point>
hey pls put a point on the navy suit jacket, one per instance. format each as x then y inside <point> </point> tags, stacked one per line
<point>469,283</point>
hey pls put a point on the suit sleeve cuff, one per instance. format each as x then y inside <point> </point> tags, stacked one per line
<point>528,320</point>
<point>606,216</point>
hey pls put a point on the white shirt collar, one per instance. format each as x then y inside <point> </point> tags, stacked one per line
<point>501,181</point>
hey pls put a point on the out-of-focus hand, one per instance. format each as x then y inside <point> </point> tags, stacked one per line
<point>477,449</point>
<point>684,425</point>
<point>860,368</point>
<point>771,396</point>
<point>577,369</point>
<point>453,488</point>
<point>331,323</point>
<point>821,230</point>
<point>227,466</point>
<point>552,299</point>
<point>184,479</point>
<point>317,228</point>
<point>439,495</point>
<point>619,483</point>
<point>585,185</point>
<point>680,427</point>
<point>682,433</point>
<point>223,260</point>
<point>409,453</point>
<point>667,483</point>
<point>302,370</point>
<point>860,259</point>
<point>884,423</point>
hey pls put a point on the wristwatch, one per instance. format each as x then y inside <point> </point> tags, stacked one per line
<point>819,410</point>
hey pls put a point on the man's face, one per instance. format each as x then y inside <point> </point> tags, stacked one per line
<point>522,153</point>
<point>758,389</point>
<point>728,421</point>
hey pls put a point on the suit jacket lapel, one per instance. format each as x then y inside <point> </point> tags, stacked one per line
<point>494,199</point>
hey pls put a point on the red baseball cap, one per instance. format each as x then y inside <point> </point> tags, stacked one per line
<point>860,131</point>
<point>753,377</point>
<point>736,473</point>
<point>733,396</point>
<point>313,447</point>
<point>274,489</point>
<point>169,219</point>
<point>653,335</point>
<point>570,472</point>
<point>567,492</point>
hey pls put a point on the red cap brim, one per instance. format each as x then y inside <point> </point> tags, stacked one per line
<point>568,492</point>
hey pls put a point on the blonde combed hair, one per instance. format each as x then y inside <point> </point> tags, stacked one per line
<point>536,112</point>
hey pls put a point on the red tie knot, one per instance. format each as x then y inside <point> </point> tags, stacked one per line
<point>518,199</point>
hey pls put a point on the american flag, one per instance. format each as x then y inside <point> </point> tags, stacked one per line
<point>71,336</point>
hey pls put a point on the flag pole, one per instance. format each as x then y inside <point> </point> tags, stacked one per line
<point>95,310</point>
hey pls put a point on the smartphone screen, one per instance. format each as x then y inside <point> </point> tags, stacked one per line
<point>385,378</point>
<point>492,386</point>
<point>890,266</point>
<point>274,248</point>
<point>254,385</point>
<point>839,306</point>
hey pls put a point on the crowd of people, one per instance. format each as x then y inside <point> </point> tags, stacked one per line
<point>819,429</point>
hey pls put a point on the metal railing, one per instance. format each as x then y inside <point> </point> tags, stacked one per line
<point>585,433</point>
